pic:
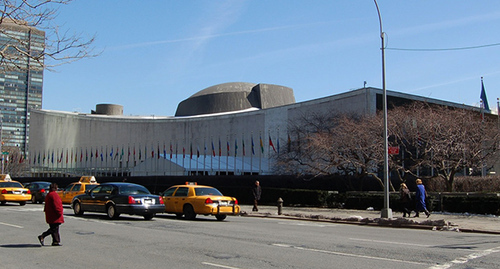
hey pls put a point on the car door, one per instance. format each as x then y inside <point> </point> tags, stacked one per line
<point>180,198</point>
<point>88,201</point>
<point>100,198</point>
<point>66,195</point>
<point>168,199</point>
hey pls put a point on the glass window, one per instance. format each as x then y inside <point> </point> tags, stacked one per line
<point>169,192</point>
<point>77,187</point>
<point>207,191</point>
<point>182,191</point>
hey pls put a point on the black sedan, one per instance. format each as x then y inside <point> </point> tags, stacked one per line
<point>39,190</point>
<point>117,198</point>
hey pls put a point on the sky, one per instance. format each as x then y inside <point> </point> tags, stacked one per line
<point>156,53</point>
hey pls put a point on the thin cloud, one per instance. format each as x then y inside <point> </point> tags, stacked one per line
<point>210,36</point>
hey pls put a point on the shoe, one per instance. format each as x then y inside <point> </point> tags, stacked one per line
<point>56,244</point>
<point>428,214</point>
<point>40,238</point>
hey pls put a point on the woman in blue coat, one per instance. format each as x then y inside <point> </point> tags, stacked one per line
<point>420,195</point>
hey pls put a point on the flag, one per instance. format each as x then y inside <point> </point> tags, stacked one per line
<point>213,149</point>
<point>483,96</point>
<point>243,146</point>
<point>164,152</point>
<point>253,150</point>
<point>271,143</point>
<point>220,148</point>
<point>235,147</point>
<point>171,150</point>
<point>261,144</point>
<point>111,154</point>
<point>158,150</point>
<point>183,152</point>
<point>197,151</point>
<point>191,150</point>
<point>228,148</point>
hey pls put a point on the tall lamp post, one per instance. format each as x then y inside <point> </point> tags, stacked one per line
<point>386,211</point>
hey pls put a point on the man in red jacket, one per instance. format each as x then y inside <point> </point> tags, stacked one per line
<point>53,216</point>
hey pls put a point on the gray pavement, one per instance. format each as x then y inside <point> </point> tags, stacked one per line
<point>440,221</point>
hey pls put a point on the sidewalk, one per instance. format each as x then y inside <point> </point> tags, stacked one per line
<point>437,220</point>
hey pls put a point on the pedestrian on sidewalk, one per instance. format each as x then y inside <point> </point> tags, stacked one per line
<point>405,199</point>
<point>420,196</point>
<point>257,192</point>
<point>53,216</point>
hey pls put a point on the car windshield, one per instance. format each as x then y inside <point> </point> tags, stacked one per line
<point>133,189</point>
<point>44,185</point>
<point>207,191</point>
<point>10,184</point>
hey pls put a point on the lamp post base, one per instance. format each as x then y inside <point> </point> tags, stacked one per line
<point>386,213</point>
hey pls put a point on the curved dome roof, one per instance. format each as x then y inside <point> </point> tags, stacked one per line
<point>226,87</point>
<point>235,96</point>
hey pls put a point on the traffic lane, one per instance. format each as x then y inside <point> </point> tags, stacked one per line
<point>238,242</point>
<point>418,247</point>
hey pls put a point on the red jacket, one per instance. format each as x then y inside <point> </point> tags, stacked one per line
<point>53,208</point>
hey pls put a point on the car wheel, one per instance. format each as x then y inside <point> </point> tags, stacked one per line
<point>112,214</point>
<point>149,216</point>
<point>33,199</point>
<point>220,217</point>
<point>77,208</point>
<point>22,203</point>
<point>178,215</point>
<point>3,203</point>
<point>189,212</point>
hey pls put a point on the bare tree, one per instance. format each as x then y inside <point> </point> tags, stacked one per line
<point>443,140</point>
<point>335,144</point>
<point>35,16</point>
<point>437,139</point>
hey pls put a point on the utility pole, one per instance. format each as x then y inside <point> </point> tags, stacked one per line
<point>386,211</point>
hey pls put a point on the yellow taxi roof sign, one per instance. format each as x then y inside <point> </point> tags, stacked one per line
<point>88,179</point>
<point>5,177</point>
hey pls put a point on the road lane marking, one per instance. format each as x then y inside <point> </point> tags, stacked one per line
<point>348,254</point>
<point>11,225</point>
<point>219,265</point>
<point>390,243</point>
<point>308,224</point>
<point>466,259</point>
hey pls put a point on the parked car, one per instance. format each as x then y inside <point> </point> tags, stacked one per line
<point>13,191</point>
<point>85,183</point>
<point>39,190</point>
<point>117,198</point>
<point>192,199</point>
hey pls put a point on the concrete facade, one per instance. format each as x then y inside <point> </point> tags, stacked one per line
<point>74,143</point>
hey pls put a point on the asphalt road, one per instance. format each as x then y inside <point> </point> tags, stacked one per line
<point>93,241</point>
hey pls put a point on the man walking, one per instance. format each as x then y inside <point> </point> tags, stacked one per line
<point>53,216</point>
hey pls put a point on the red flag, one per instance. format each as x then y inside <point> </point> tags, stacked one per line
<point>271,143</point>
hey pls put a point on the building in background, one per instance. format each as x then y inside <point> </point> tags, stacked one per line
<point>227,129</point>
<point>21,81</point>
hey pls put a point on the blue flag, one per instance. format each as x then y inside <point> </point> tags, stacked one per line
<point>483,96</point>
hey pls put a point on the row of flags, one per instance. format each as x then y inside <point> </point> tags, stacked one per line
<point>116,153</point>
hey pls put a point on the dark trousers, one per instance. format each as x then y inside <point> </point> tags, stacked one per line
<point>255,203</point>
<point>54,231</point>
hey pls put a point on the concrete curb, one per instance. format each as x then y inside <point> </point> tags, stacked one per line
<point>435,225</point>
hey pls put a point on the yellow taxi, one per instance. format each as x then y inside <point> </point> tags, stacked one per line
<point>13,191</point>
<point>191,199</point>
<point>85,183</point>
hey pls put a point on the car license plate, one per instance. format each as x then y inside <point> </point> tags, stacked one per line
<point>16,192</point>
<point>223,203</point>
<point>148,201</point>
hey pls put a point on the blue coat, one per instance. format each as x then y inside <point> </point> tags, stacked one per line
<point>420,195</point>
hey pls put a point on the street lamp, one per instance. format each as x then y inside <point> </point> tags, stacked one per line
<point>386,211</point>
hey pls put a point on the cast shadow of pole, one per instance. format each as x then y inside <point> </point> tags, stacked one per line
<point>21,246</point>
